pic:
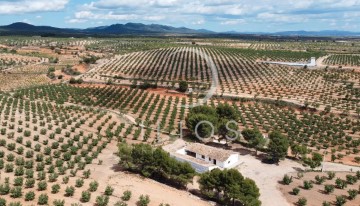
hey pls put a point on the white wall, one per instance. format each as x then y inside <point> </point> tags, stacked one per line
<point>198,168</point>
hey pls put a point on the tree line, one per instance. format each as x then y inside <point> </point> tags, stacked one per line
<point>156,164</point>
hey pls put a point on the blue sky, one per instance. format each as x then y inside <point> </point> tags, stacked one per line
<point>216,15</point>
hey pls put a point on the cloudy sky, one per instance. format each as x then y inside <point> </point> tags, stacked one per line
<point>216,15</point>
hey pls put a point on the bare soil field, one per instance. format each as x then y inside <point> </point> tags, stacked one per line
<point>317,195</point>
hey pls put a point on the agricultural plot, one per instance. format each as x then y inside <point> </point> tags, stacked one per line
<point>332,136</point>
<point>45,151</point>
<point>13,60</point>
<point>315,188</point>
<point>323,46</point>
<point>328,134</point>
<point>45,42</point>
<point>152,110</point>
<point>343,60</point>
<point>240,75</point>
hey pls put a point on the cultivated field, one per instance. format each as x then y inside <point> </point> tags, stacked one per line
<point>66,104</point>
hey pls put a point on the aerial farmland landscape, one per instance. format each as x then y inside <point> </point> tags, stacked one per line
<point>206,103</point>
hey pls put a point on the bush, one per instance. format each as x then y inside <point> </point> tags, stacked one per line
<point>329,189</point>
<point>126,195</point>
<point>55,188</point>
<point>287,180</point>
<point>59,202</point>
<point>351,179</point>
<point>69,191</point>
<point>319,180</point>
<point>143,200</point>
<point>29,196</point>
<point>102,200</point>
<point>43,199</point>
<point>341,184</point>
<point>93,186</point>
<point>352,194</point>
<point>109,191</point>
<point>79,183</point>
<point>42,186</point>
<point>16,192</point>
<point>325,203</point>
<point>2,202</point>
<point>331,175</point>
<point>85,196</point>
<point>340,201</point>
<point>308,185</point>
<point>121,203</point>
<point>302,201</point>
<point>183,86</point>
<point>296,191</point>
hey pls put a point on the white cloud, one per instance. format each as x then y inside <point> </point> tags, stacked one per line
<point>154,18</point>
<point>76,21</point>
<point>221,12</point>
<point>199,22</point>
<point>28,6</point>
<point>232,22</point>
<point>107,16</point>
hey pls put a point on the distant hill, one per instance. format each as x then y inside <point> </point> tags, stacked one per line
<point>318,33</point>
<point>152,29</point>
<point>115,29</point>
<point>325,33</point>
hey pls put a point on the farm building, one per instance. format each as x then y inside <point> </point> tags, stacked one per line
<point>205,158</point>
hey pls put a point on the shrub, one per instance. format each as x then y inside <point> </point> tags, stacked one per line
<point>287,180</point>
<point>109,191</point>
<point>340,201</point>
<point>79,183</point>
<point>4,189</point>
<point>325,203</point>
<point>351,179</point>
<point>307,185</point>
<point>143,200</point>
<point>341,184</point>
<point>29,196</point>
<point>331,175</point>
<point>126,195</point>
<point>42,186</point>
<point>302,201</point>
<point>55,188</point>
<point>85,196</point>
<point>319,180</point>
<point>65,179</point>
<point>43,199</point>
<point>69,191</point>
<point>2,202</point>
<point>16,192</point>
<point>121,203</point>
<point>102,200</point>
<point>329,189</point>
<point>296,191</point>
<point>18,181</point>
<point>93,186</point>
<point>59,202</point>
<point>29,183</point>
<point>352,194</point>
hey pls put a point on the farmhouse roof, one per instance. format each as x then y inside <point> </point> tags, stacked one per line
<point>208,151</point>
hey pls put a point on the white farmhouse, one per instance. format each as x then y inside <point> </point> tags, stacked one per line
<point>205,158</point>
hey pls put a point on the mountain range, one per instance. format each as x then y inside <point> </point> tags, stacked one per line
<point>139,29</point>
